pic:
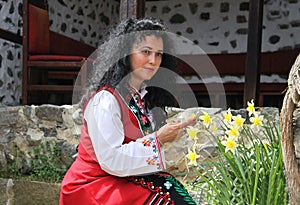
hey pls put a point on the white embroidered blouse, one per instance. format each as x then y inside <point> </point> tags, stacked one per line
<point>105,127</point>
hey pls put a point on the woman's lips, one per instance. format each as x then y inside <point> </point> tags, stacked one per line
<point>150,69</point>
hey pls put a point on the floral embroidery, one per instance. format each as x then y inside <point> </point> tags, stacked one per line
<point>139,108</point>
<point>144,119</point>
<point>147,143</point>
<point>168,184</point>
<point>133,109</point>
<point>154,160</point>
<point>155,149</point>
<point>151,142</point>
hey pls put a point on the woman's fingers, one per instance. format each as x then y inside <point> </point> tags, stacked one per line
<point>189,122</point>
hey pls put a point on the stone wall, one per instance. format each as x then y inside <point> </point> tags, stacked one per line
<point>28,126</point>
<point>215,26</point>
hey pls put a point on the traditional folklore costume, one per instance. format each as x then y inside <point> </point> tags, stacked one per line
<point>120,160</point>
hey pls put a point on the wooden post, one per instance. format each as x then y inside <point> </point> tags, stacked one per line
<point>252,75</point>
<point>25,52</point>
<point>132,8</point>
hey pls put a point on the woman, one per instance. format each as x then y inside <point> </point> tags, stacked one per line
<point>120,156</point>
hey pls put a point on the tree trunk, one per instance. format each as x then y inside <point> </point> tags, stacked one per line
<point>287,134</point>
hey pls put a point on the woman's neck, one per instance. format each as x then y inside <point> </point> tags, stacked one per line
<point>135,84</point>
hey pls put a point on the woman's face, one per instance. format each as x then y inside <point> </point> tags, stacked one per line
<point>146,58</point>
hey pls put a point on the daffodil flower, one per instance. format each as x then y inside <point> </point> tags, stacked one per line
<point>192,132</point>
<point>238,121</point>
<point>230,144</point>
<point>227,116</point>
<point>213,128</point>
<point>251,108</point>
<point>205,118</point>
<point>192,156</point>
<point>256,121</point>
<point>233,132</point>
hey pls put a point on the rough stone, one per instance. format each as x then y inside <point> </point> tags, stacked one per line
<point>13,192</point>
<point>49,112</point>
<point>8,115</point>
<point>3,161</point>
<point>3,195</point>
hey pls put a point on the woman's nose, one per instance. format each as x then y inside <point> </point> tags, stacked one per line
<point>152,58</point>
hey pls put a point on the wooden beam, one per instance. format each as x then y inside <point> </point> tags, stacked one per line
<point>252,75</point>
<point>9,36</point>
<point>132,8</point>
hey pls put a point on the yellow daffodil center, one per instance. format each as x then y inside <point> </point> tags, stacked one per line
<point>239,121</point>
<point>250,108</point>
<point>192,156</point>
<point>192,132</point>
<point>233,132</point>
<point>227,117</point>
<point>256,121</point>
<point>214,128</point>
<point>231,144</point>
<point>206,119</point>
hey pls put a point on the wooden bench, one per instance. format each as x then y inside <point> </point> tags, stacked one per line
<point>222,65</point>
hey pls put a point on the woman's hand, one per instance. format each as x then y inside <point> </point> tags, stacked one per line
<point>172,130</point>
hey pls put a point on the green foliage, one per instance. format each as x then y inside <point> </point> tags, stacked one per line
<point>45,163</point>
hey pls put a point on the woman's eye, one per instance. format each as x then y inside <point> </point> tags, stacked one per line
<point>145,51</point>
<point>159,54</point>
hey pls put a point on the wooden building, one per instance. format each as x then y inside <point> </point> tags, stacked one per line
<point>253,64</point>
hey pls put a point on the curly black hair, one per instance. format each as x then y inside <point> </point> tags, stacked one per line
<point>111,60</point>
